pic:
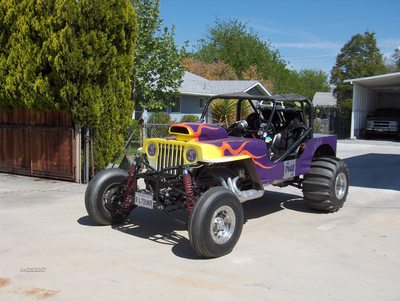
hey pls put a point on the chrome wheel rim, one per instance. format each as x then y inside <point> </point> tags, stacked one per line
<point>340,185</point>
<point>222,225</point>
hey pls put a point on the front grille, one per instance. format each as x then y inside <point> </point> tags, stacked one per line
<point>382,126</point>
<point>169,155</point>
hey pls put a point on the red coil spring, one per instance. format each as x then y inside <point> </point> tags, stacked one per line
<point>130,187</point>
<point>188,187</point>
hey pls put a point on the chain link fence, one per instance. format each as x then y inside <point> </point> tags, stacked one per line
<point>135,136</point>
<point>332,120</point>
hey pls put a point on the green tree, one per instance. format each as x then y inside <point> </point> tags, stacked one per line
<point>395,57</point>
<point>309,81</point>
<point>232,43</point>
<point>158,61</point>
<point>74,56</point>
<point>359,57</point>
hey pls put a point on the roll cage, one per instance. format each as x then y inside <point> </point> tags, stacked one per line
<point>273,99</point>
<point>277,115</point>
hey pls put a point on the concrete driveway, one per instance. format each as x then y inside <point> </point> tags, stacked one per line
<point>49,248</point>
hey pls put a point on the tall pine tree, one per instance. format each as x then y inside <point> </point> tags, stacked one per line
<point>359,57</point>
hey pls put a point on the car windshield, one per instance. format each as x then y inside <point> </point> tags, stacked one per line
<point>387,113</point>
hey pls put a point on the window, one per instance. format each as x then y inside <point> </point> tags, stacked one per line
<point>177,105</point>
<point>202,103</point>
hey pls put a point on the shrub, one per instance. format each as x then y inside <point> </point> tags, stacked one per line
<point>189,118</point>
<point>73,56</point>
<point>160,117</point>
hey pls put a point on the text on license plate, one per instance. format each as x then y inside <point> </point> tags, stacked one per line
<point>289,169</point>
<point>144,200</point>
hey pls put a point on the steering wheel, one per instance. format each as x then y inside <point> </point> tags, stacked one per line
<point>254,121</point>
<point>238,126</point>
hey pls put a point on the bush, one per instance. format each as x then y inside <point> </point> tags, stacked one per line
<point>224,111</point>
<point>189,118</point>
<point>160,117</point>
<point>72,56</point>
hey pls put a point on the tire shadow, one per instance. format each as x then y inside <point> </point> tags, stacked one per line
<point>157,227</point>
<point>272,202</point>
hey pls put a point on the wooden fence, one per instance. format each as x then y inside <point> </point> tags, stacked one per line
<point>38,144</point>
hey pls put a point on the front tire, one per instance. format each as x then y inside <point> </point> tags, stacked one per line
<point>326,185</point>
<point>105,195</point>
<point>216,223</point>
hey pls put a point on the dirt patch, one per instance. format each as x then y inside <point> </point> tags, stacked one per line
<point>39,293</point>
<point>4,282</point>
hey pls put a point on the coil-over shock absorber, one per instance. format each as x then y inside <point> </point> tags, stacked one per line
<point>188,188</point>
<point>130,186</point>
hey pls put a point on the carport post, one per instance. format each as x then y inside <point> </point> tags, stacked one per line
<point>353,105</point>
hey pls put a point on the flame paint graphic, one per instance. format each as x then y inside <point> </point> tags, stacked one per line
<point>241,151</point>
<point>263,166</point>
<point>203,126</point>
<point>226,146</point>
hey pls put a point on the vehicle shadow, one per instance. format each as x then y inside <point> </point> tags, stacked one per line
<point>381,171</point>
<point>272,202</point>
<point>156,226</point>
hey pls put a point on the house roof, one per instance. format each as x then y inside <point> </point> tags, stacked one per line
<point>193,84</point>
<point>324,99</point>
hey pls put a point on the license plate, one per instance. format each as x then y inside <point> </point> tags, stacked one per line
<point>289,169</point>
<point>144,200</point>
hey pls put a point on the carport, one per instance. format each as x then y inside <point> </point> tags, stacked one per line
<point>371,93</point>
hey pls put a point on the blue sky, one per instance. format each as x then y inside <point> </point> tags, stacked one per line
<point>308,34</point>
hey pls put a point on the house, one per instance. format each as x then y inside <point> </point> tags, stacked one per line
<point>195,90</point>
<point>324,99</point>
<point>327,119</point>
<point>371,93</point>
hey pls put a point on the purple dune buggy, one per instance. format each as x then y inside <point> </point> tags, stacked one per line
<point>208,170</point>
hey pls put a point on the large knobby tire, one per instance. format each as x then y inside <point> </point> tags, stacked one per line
<point>216,223</point>
<point>104,196</point>
<point>326,185</point>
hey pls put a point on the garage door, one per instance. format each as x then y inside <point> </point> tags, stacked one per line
<point>37,144</point>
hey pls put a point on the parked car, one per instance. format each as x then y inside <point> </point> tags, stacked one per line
<point>383,121</point>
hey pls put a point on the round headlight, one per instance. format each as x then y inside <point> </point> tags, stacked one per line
<point>191,155</point>
<point>151,149</point>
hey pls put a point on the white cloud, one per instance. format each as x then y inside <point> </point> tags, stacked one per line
<point>390,44</point>
<point>271,30</point>
<point>293,37</point>
<point>308,45</point>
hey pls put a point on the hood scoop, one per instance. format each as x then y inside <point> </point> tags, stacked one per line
<point>200,131</point>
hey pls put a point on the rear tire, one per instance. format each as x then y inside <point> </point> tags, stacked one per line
<point>326,185</point>
<point>105,195</point>
<point>216,223</point>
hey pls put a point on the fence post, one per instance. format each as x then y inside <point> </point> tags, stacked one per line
<point>87,138</point>
<point>78,158</point>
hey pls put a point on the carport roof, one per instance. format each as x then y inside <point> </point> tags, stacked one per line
<point>386,82</point>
